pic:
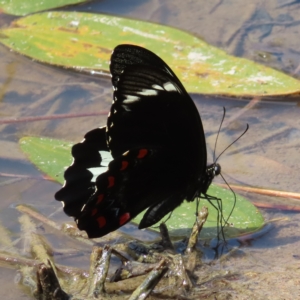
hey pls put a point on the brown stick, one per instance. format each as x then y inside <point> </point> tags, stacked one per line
<point>263,191</point>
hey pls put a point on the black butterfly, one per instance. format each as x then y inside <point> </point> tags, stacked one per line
<point>155,137</point>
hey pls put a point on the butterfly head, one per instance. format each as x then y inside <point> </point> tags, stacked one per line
<point>212,171</point>
<point>215,169</point>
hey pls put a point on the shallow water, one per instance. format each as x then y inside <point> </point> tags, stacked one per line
<point>267,156</point>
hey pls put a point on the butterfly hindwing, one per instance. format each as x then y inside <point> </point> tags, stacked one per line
<point>127,188</point>
<point>79,186</point>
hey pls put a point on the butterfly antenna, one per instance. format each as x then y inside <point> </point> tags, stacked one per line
<point>216,141</point>
<point>232,142</point>
<point>221,221</point>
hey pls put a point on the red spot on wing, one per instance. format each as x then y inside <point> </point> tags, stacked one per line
<point>100,198</point>
<point>111,181</point>
<point>94,211</point>
<point>124,165</point>
<point>142,153</point>
<point>101,221</point>
<point>124,218</point>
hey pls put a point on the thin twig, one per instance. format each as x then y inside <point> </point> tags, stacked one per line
<point>52,117</point>
<point>263,191</point>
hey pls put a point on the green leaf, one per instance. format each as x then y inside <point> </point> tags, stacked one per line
<point>23,7</point>
<point>85,41</point>
<point>52,156</point>
<point>48,155</point>
<point>245,218</point>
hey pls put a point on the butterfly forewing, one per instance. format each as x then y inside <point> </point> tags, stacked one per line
<point>150,109</point>
<point>124,56</point>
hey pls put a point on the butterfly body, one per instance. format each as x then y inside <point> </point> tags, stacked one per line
<point>158,152</point>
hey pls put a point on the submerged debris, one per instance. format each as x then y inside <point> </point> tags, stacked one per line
<point>144,268</point>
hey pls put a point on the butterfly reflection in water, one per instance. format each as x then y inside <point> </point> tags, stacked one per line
<point>150,155</point>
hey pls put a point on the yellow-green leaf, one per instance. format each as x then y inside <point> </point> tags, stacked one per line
<point>85,41</point>
<point>23,7</point>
